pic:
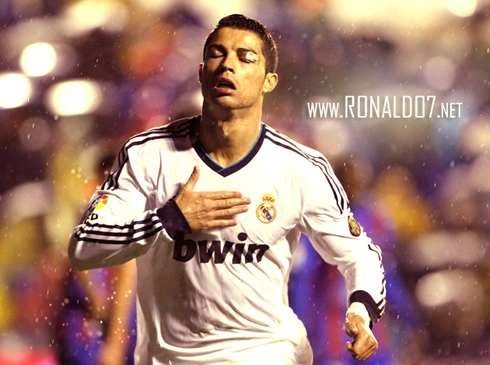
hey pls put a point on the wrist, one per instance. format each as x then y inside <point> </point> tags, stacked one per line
<point>359,309</point>
<point>173,220</point>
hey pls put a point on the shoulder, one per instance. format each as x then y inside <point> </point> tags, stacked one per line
<point>168,134</point>
<point>309,166</point>
<point>294,150</point>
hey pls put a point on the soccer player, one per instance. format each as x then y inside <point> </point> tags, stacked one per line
<point>212,208</point>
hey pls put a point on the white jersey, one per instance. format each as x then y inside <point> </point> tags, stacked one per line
<point>220,296</point>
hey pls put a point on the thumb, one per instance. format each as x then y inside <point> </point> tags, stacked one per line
<point>191,183</point>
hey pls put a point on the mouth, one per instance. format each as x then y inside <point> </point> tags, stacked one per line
<point>225,85</point>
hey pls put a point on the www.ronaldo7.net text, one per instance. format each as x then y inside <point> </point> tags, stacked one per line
<point>385,107</point>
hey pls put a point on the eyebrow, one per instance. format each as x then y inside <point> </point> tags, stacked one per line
<point>216,45</point>
<point>240,50</point>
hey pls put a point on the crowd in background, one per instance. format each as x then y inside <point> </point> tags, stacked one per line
<point>419,186</point>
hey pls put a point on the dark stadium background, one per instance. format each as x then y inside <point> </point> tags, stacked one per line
<point>79,77</point>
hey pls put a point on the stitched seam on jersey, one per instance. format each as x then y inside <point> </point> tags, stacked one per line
<point>317,164</point>
<point>180,131</point>
<point>319,159</point>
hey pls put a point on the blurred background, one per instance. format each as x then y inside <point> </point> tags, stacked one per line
<point>77,78</point>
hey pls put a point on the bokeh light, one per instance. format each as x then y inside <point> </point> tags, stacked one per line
<point>439,73</point>
<point>34,133</point>
<point>462,8</point>
<point>38,59</point>
<point>74,97</point>
<point>15,90</point>
<point>83,16</point>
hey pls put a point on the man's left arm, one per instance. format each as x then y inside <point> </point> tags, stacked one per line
<point>342,242</point>
<point>359,261</point>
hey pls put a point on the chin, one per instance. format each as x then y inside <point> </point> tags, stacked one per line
<point>224,102</point>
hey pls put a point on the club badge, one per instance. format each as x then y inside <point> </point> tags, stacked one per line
<point>266,211</point>
<point>354,227</point>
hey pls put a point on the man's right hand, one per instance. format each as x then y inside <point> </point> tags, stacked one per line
<point>209,209</point>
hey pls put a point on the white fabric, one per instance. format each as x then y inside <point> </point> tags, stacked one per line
<point>195,309</point>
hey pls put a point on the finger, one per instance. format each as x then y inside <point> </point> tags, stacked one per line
<point>360,345</point>
<point>222,213</point>
<point>220,195</point>
<point>218,223</point>
<point>229,203</point>
<point>350,349</point>
<point>369,351</point>
<point>365,345</point>
<point>191,183</point>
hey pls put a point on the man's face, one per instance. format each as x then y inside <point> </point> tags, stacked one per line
<point>233,73</point>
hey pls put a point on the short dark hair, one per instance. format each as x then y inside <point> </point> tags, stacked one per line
<point>239,21</point>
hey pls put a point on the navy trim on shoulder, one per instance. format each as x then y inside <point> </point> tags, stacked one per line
<point>179,129</point>
<point>227,171</point>
<point>318,161</point>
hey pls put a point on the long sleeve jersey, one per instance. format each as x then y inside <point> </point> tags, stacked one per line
<point>220,295</point>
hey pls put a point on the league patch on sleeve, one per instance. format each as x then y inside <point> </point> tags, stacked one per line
<point>97,204</point>
<point>354,227</point>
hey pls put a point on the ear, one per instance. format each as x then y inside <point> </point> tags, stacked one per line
<point>200,73</point>
<point>270,82</point>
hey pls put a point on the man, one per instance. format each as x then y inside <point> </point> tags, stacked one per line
<point>214,250</point>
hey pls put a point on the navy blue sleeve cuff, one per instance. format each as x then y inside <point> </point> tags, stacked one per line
<point>173,219</point>
<point>371,306</point>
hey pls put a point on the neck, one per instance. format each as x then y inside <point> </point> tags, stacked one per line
<point>228,137</point>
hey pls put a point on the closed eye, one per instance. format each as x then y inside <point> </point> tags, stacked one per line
<point>214,52</point>
<point>248,56</point>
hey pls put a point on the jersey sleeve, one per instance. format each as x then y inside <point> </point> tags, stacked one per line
<point>117,225</point>
<point>341,241</point>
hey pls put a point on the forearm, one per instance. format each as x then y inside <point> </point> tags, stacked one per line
<point>109,241</point>
<point>123,295</point>
<point>359,261</point>
<point>365,281</point>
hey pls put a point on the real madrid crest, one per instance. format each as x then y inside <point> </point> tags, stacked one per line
<point>266,211</point>
<point>354,227</point>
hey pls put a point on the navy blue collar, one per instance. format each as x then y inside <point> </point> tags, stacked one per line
<point>226,171</point>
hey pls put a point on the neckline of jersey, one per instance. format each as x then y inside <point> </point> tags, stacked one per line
<point>227,171</point>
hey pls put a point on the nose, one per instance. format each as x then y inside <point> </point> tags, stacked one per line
<point>228,63</point>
